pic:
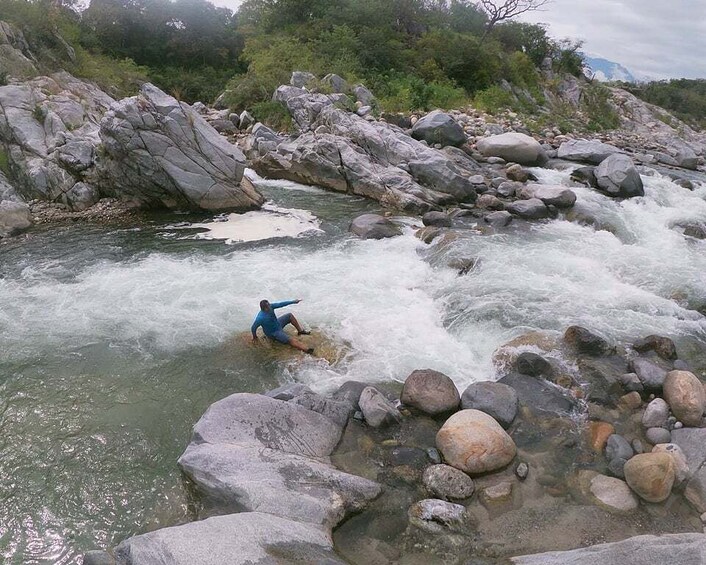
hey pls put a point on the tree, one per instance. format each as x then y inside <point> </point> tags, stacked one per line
<point>501,10</point>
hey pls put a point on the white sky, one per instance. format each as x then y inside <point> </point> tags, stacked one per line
<point>652,38</point>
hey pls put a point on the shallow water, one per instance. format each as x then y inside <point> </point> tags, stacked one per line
<point>115,340</point>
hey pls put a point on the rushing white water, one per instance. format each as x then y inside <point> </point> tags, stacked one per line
<point>396,310</point>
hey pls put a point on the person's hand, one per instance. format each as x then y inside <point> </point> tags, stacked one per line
<point>297,301</point>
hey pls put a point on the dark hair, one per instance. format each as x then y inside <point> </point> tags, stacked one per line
<point>264,303</point>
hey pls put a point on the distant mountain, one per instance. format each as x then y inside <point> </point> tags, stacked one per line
<point>605,70</point>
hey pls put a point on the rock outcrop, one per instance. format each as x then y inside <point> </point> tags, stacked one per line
<point>67,141</point>
<point>161,152</point>
<point>344,152</point>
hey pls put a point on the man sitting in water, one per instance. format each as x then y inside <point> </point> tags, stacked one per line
<point>274,326</point>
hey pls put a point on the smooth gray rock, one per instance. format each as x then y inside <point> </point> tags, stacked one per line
<point>349,392</point>
<point>15,217</point>
<point>540,397</point>
<point>161,152</point>
<point>439,127</point>
<point>374,226</point>
<point>498,219</point>
<point>675,549</point>
<point>246,119</point>
<point>237,539</point>
<point>495,399</point>
<point>558,196</point>
<point>377,410</point>
<point>588,151</point>
<point>650,374</point>
<point>513,147</point>
<point>447,483</point>
<point>631,382</point>
<point>438,219</point>
<point>532,209</point>
<point>235,478</point>
<point>656,414</point>
<point>334,410</point>
<point>617,176</point>
<point>658,435</point>
<point>616,467</point>
<point>259,421</point>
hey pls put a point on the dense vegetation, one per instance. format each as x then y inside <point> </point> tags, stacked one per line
<point>685,98</point>
<point>414,54</point>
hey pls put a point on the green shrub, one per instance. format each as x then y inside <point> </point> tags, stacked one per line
<point>494,99</point>
<point>4,162</point>
<point>118,78</point>
<point>272,114</point>
<point>596,103</point>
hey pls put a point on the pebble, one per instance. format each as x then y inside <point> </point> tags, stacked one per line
<point>600,432</point>
<point>522,470</point>
<point>656,414</point>
<point>658,435</point>
<point>434,455</point>
<point>630,401</point>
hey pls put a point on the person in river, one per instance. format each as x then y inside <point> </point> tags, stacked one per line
<point>274,326</point>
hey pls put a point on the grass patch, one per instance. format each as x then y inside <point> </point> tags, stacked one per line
<point>273,115</point>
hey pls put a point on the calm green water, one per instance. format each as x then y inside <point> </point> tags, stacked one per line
<point>115,340</point>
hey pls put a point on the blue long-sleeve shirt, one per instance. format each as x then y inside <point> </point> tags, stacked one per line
<point>268,320</point>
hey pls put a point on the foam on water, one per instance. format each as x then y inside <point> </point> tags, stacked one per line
<point>269,222</point>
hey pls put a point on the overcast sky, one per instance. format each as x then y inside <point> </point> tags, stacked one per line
<point>653,38</point>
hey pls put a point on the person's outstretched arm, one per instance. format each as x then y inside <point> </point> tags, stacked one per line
<point>285,303</point>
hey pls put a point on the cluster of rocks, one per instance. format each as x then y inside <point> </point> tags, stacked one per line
<point>565,419</point>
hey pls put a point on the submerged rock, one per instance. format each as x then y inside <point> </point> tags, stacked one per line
<point>377,410</point>
<point>585,341</point>
<point>474,442</point>
<point>650,374</point>
<point>613,494</point>
<point>437,516</point>
<point>540,397</point>
<point>662,346</point>
<point>447,483</point>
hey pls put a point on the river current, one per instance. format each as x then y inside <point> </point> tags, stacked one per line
<point>115,340</point>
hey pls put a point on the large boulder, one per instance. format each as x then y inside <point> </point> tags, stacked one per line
<point>439,128</point>
<point>587,151</point>
<point>515,147</point>
<point>377,410</point>
<point>236,539</point>
<point>617,176</point>
<point>431,392</point>
<point>161,152</point>
<point>15,217</point>
<point>475,443</point>
<point>255,453</point>
<point>495,399</point>
<point>651,475</point>
<point>675,549</point>
<point>374,226</point>
<point>341,151</point>
<point>686,397</point>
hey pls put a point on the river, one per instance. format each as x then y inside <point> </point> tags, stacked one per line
<point>115,340</point>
